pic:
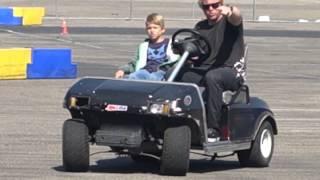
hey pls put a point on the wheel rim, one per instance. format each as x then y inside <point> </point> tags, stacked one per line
<point>266,143</point>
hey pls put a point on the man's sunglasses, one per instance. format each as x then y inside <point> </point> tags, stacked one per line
<point>213,5</point>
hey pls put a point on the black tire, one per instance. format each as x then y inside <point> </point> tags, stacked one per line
<point>261,150</point>
<point>75,146</point>
<point>176,150</point>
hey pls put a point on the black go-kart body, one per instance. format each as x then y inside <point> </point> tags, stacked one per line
<point>166,120</point>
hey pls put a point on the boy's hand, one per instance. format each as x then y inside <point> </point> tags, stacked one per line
<point>119,74</point>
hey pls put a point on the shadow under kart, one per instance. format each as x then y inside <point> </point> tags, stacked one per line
<point>163,119</point>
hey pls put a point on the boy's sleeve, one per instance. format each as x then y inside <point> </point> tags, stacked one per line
<point>131,66</point>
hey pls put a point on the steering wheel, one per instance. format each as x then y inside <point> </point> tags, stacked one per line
<point>195,43</point>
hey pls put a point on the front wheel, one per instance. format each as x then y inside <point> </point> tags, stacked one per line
<point>261,150</point>
<point>176,149</point>
<point>75,146</point>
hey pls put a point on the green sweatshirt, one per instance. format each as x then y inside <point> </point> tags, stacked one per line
<point>140,59</point>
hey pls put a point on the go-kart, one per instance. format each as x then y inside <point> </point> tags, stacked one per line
<point>164,119</point>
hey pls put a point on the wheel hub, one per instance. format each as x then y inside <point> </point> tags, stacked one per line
<point>266,143</point>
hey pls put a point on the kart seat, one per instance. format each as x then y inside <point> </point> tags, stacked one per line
<point>242,94</point>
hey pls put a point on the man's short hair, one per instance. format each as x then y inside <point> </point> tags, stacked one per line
<point>200,3</point>
<point>155,18</point>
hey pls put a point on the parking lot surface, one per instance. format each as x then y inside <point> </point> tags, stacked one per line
<point>283,69</point>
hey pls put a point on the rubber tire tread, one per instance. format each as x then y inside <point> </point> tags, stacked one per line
<point>253,156</point>
<point>176,151</point>
<point>75,146</point>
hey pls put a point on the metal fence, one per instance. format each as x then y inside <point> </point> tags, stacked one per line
<point>284,10</point>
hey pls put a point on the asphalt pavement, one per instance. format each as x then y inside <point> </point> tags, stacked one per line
<point>283,69</point>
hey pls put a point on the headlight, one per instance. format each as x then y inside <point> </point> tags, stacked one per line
<point>156,108</point>
<point>77,102</point>
<point>164,108</point>
<point>159,108</point>
<point>73,102</point>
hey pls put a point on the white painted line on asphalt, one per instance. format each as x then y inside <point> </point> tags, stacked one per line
<point>92,18</point>
<point>298,119</point>
<point>295,109</point>
<point>303,20</point>
<point>78,43</point>
<point>65,40</point>
<point>286,74</point>
<point>264,18</point>
<point>50,38</point>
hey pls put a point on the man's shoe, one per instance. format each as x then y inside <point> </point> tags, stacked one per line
<point>213,135</point>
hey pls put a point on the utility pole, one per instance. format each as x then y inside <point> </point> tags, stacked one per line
<point>131,6</point>
<point>254,10</point>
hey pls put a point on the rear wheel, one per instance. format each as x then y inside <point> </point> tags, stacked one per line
<point>75,146</point>
<point>261,150</point>
<point>176,149</point>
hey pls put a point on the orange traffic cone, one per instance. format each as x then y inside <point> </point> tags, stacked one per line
<point>64,28</point>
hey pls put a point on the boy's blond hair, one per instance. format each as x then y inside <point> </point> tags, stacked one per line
<point>155,18</point>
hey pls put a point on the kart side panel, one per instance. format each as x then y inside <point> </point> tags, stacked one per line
<point>245,119</point>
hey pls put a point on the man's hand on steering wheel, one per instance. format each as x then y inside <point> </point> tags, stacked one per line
<point>196,44</point>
